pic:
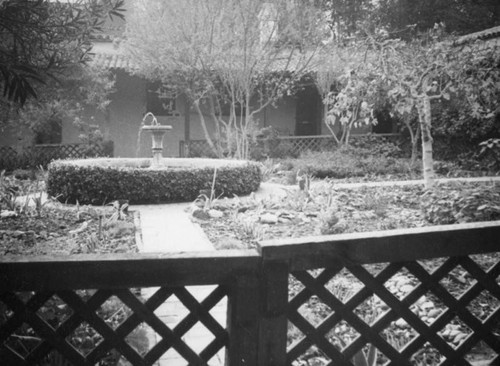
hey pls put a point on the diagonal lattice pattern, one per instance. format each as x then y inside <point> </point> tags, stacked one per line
<point>103,324</point>
<point>409,313</point>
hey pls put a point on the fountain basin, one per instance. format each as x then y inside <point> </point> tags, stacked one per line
<point>102,180</point>
<point>156,128</point>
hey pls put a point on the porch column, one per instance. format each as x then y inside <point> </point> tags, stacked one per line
<point>187,126</point>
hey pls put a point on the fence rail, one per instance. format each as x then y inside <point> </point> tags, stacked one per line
<point>322,300</point>
<point>282,145</point>
<point>42,155</point>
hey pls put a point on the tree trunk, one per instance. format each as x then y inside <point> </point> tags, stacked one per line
<point>413,139</point>
<point>205,129</point>
<point>424,118</point>
<point>414,145</point>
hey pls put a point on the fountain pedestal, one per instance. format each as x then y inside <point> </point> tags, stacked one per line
<point>157,132</point>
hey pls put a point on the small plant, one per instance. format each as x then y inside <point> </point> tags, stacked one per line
<point>206,200</point>
<point>379,204</point>
<point>9,192</point>
<point>491,149</point>
<point>329,220</point>
<point>92,242</point>
<point>269,168</point>
<point>304,181</point>
<point>120,211</point>
<point>252,230</point>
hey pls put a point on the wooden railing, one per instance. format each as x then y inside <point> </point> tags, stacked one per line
<point>320,301</point>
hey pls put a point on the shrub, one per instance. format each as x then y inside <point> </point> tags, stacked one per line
<point>349,162</point>
<point>98,181</point>
<point>374,145</point>
<point>459,202</point>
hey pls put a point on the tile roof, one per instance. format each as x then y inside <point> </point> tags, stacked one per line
<point>114,59</point>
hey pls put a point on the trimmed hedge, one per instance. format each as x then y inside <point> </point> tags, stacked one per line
<point>98,181</point>
<point>348,162</point>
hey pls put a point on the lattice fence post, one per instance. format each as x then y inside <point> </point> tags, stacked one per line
<point>273,322</point>
<point>243,321</point>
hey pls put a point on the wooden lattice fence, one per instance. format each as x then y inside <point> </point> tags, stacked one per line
<point>281,146</point>
<point>42,155</point>
<point>427,296</point>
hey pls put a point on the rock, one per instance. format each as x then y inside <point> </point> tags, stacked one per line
<point>200,214</point>
<point>406,289</point>
<point>370,214</point>
<point>5,214</point>
<point>401,323</point>
<point>215,214</point>
<point>30,235</point>
<point>286,215</point>
<point>18,234</point>
<point>401,281</point>
<point>459,337</point>
<point>268,218</point>
<point>427,305</point>
<point>356,216</point>
<point>446,333</point>
<point>227,242</point>
<point>433,313</point>
<point>81,229</point>
<point>453,333</point>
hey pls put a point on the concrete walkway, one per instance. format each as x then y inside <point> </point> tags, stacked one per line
<point>168,228</point>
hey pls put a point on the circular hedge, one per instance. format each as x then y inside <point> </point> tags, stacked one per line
<point>98,181</point>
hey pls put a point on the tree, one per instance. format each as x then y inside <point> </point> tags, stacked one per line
<point>420,72</point>
<point>39,39</point>
<point>348,83</point>
<point>407,18</point>
<point>231,58</point>
<point>82,86</point>
<point>346,16</point>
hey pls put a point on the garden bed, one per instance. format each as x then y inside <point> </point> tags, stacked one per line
<point>329,209</point>
<point>66,230</point>
<point>31,226</point>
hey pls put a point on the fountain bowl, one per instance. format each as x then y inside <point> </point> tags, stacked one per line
<point>102,180</point>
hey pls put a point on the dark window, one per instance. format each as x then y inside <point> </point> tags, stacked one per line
<point>384,121</point>
<point>160,100</point>
<point>49,134</point>
<point>225,109</point>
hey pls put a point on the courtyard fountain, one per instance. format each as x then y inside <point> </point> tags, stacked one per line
<point>149,180</point>
<point>157,132</point>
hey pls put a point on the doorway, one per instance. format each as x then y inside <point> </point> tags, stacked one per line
<point>308,112</point>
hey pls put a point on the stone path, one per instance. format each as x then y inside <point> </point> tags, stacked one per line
<point>168,228</point>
